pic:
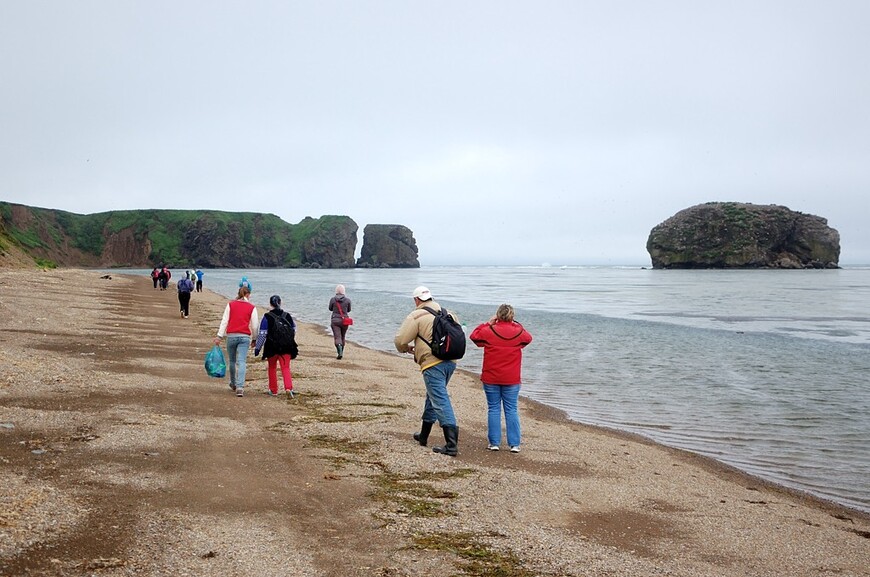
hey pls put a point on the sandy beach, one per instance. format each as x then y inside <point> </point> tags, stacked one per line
<point>120,456</point>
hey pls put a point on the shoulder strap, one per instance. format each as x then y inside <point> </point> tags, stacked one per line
<point>419,336</point>
<point>340,310</point>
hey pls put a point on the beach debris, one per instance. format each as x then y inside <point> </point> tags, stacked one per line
<point>38,451</point>
<point>7,425</point>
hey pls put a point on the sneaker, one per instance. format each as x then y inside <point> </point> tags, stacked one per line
<point>232,387</point>
<point>240,393</point>
<point>515,449</point>
<point>289,393</point>
<point>270,393</point>
<point>493,447</point>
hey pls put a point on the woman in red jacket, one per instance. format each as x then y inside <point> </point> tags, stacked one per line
<point>502,340</point>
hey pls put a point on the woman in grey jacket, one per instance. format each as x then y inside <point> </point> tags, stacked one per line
<point>340,307</point>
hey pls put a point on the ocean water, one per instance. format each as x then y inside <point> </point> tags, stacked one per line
<point>767,371</point>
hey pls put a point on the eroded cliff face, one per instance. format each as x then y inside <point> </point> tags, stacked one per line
<point>177,238</point>
<point>122,248</point>
<point>388,246</point>
<point>742,235</point>
<point>332,248</point>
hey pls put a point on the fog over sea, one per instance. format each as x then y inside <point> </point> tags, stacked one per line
<point>765,370</point>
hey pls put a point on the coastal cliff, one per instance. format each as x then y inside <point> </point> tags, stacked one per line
<point>143,238</point>
<point>388,246</point>
<point>743,235</point>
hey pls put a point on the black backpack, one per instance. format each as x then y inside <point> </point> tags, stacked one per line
<point>284,335</point>
<point>448,338</point>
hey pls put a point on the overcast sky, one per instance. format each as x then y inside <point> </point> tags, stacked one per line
<point>500,132</point>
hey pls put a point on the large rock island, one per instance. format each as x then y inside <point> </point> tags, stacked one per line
<point>388,245</point>
<point>743,235</point>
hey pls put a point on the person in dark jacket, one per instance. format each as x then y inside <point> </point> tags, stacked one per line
<point>340,307</point>
<point>185,287</point>
<point>503,340</point>
<point>274,351</point>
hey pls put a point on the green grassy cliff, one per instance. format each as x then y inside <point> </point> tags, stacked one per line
<point>144,238</point>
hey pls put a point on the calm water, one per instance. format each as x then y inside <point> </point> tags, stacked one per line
<point>763,370</point>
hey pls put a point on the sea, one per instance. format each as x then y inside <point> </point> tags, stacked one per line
<point>767,371</point>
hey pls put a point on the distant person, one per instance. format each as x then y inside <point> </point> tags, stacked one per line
<point>163,277</point>
<point>278,344</point>
<point>436,373</point>
<point>246,283</point>
<point>185,287</point>
<point>199,280</point>
<point>503,340</point>
<point>155,276</point>
<point>340,307</point>
<point>239,322</point>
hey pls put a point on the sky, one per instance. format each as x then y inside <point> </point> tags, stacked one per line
<point>500,132</point>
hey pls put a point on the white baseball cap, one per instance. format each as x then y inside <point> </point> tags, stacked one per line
<point>422,293</point>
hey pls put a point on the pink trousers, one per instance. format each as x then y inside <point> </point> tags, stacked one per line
<point>284,361</point>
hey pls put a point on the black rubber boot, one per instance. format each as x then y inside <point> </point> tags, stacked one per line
<point>451,441</point>
<point>423,436</point>
<point>340,350</point>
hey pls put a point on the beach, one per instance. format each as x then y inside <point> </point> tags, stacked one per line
<point>120,456</point>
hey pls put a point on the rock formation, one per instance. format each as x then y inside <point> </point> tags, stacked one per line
<point>143,238</point>
<point>388,246</point>
<point>741,235</point>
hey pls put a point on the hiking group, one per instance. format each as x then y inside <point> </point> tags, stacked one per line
<point>430,333</point>
<point>435,338</point>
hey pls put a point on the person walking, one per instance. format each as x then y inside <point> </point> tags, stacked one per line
<point>165,275</point>
<point>277,340</point>
<point>185,287</point>
<point>199,275</point>
<point>502,340</point>
<point>412,337</point>
<point>155,276</point>
<point>238,323</point>
<point>340,307</point>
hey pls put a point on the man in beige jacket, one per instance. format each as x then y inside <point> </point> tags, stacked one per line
<point>417,328</point>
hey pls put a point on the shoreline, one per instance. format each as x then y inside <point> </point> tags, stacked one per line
<point>711,464</point>
<point>122,457</point>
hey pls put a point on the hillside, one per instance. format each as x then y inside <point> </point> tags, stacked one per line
<point>144,238</point>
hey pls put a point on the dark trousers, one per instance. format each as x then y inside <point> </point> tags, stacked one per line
<point>184,301</point>
<point>199,286</point>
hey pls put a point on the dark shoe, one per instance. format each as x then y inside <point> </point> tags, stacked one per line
<point>423,436</point>
<point>451,441</point>
<point>232,387</point>
<point>339,351</point>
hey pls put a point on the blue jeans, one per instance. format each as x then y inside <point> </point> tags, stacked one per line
<point>496,396</point>
<point>438,407</point>
<point>237,351</point>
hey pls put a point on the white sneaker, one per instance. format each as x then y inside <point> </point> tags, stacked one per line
<point>515,449</point>
<point>493,447</point>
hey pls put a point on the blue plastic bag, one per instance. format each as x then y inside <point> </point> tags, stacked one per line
<point>215,365</point>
